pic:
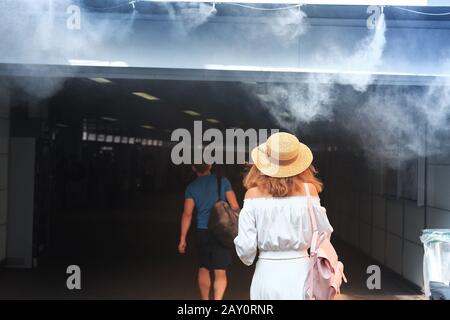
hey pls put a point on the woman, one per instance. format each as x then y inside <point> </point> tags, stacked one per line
<point>275,219</point>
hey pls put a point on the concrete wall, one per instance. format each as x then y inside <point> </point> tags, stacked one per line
<point>4,149</point>
<point>382,211</point>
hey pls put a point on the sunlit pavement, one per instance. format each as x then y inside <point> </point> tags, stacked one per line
<point>132,255</point>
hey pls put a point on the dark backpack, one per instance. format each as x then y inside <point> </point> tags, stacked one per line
<point>223,220</point>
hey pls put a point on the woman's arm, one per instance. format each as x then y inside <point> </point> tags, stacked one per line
<point>186,219</point>
<point>323,224</point>
<point>246,241</point>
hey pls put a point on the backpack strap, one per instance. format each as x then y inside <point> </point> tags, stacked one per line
<point>313,249</point>
<point>219,186</point>
<point>312,217</point>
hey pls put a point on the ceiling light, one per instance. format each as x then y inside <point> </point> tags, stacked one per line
<point>109,119</point>
<point>211,120</point>
<point>62,125</point>
<point>100,80</point>
<point>146,96</point>
<point>97,63</point>
<point>191,113</point>
<point>147,126</point>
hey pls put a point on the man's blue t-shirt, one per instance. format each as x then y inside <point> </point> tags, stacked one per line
<point>203,190</point>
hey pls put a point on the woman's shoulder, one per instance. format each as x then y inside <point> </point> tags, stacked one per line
<point>255,192</point>
<point>312,190</point>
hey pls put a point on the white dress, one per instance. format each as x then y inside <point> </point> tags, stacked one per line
<point>280,229</point>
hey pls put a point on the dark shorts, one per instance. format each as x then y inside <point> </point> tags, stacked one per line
<point>212,255</point>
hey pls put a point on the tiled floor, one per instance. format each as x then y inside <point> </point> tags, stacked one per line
<point>132,255</point>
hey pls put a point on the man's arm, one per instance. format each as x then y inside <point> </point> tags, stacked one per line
<point>186,219</point>
<point>231,198</point>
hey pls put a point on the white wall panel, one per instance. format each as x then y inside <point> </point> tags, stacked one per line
<point>395,217</point>
<point>3,171</point>
<point>2,242</point>
<point>4,102</point>
<point>439,219</point>
<point>4,148</point>
<point>438,186</point>
<point>414,221</point>
<point>379,211</point>
<point>378,243</point>
<point>442,158</point>
<point>394,253</point>
<point>346,230</point>
<point>4,135</point>
<point>3,206</point>
<point>366,209</point>
<point>413,263</point>
<point>354,239</point>
<point>364,236</point>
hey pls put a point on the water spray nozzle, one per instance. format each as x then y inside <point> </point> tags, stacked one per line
<point>213,9</point>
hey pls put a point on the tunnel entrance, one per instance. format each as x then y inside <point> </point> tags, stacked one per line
<point>108,198</point>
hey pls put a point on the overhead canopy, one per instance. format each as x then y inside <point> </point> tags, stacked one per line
<point>411,3</point>
<point>214,73</point>
<point>159,40</point>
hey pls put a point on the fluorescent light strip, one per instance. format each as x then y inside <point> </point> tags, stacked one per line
<point>211,120</point>
<point>146,96</point>
<point>108,119</point>
<point>100,80</point>
<point>147,126</point>
<point>191,113</point>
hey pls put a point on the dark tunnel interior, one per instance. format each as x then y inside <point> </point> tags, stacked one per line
<point>109,198</point>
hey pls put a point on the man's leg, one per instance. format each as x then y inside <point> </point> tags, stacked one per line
<point>204,282</point>
<point>220,283</point>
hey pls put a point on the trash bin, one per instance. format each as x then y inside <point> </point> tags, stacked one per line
<point>436,263</point>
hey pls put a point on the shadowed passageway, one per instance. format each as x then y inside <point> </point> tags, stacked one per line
<point>133,255</point>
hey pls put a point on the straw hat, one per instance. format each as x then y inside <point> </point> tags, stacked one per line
<point>282,156</point>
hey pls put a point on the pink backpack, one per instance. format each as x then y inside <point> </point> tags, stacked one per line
<point>326,272</point>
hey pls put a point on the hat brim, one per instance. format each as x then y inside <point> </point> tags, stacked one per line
<point>278,169</point>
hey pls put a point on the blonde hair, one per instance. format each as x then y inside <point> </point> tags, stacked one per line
<point>281,187</point>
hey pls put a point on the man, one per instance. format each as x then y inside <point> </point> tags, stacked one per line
<point>202,194</point>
